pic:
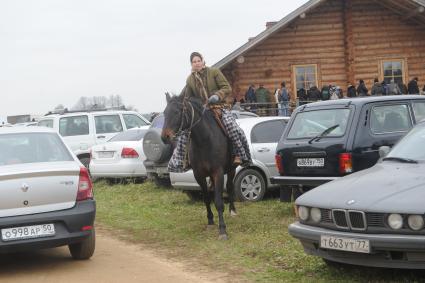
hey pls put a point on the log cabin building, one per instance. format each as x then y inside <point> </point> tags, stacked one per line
<point>333,42</point>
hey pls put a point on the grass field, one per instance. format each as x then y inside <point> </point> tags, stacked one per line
<point>259,246</point>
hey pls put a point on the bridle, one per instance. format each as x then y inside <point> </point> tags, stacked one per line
<point>187,105</point>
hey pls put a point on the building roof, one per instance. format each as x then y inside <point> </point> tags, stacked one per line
<point>407,9</point>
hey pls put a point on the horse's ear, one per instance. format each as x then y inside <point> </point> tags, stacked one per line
<point>167,97</point>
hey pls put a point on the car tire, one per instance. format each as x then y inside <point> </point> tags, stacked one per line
<point>162,182</point>
<point>194,195</point>
<point>154,148</point>
<point>84,249</point>
<point>285,194</point>
<point>250,186</point>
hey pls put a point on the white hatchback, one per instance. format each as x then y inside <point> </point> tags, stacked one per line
<point>46,197</point>
<point>120,157</point>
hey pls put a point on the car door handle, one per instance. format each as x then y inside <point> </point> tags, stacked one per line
<point>101,137</point>
<point>264,149</point>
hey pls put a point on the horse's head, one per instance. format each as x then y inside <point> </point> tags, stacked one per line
<point>173,117</point>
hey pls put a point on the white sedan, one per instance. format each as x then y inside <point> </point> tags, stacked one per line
<point>251,183</point>
<point>120,157</point>
<point>46,196</point>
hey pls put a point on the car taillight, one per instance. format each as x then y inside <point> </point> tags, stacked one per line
<point>129,153</point>
<point>279,164</point>
<point>345,163</point>
<point>85,186</point>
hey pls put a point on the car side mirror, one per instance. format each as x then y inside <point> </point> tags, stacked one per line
<point>383,151</point>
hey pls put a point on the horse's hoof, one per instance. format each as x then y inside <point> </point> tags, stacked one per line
<point>233,213</point>
<point>223,237</point>
<point>211,226</point>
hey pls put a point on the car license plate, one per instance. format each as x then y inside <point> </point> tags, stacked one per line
<point>310,162</point>
<point>345,244</point>
<point>105,154</point>
<point>27,232</point>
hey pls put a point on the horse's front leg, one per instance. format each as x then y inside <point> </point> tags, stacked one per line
<point>218,182</point>
<point>206,196</point>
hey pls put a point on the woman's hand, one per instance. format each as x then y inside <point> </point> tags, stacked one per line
<point>213,99</point>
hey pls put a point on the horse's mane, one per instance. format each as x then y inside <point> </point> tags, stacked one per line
<point>195,101</point>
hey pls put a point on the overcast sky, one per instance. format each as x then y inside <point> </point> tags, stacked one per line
<point>55,51</point>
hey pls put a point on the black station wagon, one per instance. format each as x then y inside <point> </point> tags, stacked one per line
<point>327,140</point>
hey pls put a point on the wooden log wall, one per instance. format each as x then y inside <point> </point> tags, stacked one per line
<point>346,39</point>
<point>379,34</point>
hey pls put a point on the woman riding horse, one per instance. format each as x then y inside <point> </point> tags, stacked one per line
<point>211,86</point>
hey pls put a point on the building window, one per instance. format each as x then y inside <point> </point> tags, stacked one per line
<point>393,70</point>
<point>305,76</point>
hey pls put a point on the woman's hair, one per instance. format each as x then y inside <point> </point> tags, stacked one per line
<point>195,54</point>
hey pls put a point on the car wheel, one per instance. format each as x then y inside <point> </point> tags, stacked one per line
<point>250,186</point>
<point>162,182</point>
<point>194,195</point>
<point>84,249</point>
<point>285,194</point>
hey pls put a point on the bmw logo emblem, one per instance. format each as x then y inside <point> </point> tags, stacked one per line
<point>350,202</point>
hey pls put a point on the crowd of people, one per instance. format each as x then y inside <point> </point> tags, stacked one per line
<point>265,103</point>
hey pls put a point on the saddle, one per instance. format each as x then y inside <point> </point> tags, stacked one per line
<point>218,114</point>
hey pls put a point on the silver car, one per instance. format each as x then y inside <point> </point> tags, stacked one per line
<point>251,183</point>
<point>374,217</point>
<point>46,197</point>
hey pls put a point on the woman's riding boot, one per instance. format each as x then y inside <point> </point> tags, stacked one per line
<point>237,161</point>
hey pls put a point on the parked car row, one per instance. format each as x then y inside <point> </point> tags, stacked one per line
<point>364,206</point>
<point>82,130</point>
<point>360,212</point>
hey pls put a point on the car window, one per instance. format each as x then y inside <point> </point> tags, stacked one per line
<point>133,135</point>
<point>268,132</point>
<point>158,122</point>
<point>108,124</point>
<point>312,123</point>
<point>31,148</point>
<point>390,119</point>
<point>74,126</point>
<point>411,146</point>
<point>45,123</point>
<point>419,110</point>
<point>133,121</point>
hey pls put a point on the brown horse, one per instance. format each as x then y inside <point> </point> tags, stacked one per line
<point>210,151</point>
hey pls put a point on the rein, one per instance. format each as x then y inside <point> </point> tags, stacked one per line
<point>185,117</point>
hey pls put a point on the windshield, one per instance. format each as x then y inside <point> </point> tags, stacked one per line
<point>411,146</point>
<point>312,124</point>
<point>158,122</point>
<point>132,135</point>
<point>31,148</point>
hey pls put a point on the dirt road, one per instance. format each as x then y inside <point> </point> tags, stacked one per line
<point>114,261</point>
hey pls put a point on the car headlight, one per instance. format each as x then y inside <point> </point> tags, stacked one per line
<point>303,213</point>
<point>395,221</point>
<point>316,214</point>
<point>416,222</point>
